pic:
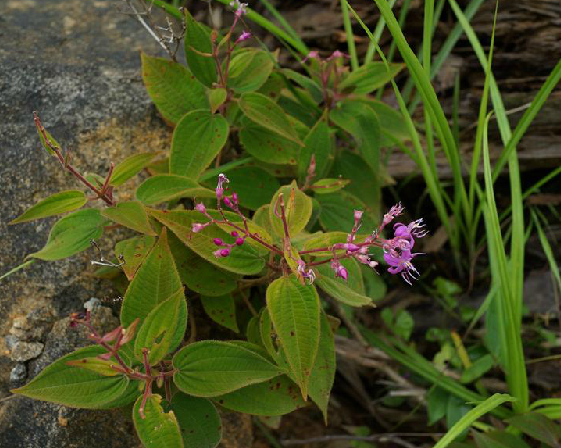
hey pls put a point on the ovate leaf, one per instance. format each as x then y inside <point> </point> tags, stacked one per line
<point>198,51</point>
<point>75,387</point>
<point>255,186</point>
<point>58,203</point>
<point>277,396</point>
<point>131,215</point>
<point>163,329</point>
<point>157,429</point>
<point>350,292</point>
<point>337,212</point>
<point>211,368</point>
<point>165,187</point>
<point>198,274</point>
<point>172,87</point>
<point>297,206</point>
<point>134,251</point>
<point>319,144</point>
<point>72,234</point>
<point>197,139</point>
<point>249,69</point>
<point>537,426</point>
<point>295,312</point>
<point>155,281</point>
<point>245,259</point>
<point>198,419</point>
<point>266,113</point>
<point>477,369</point>
<point>361,122</point>
<point>268,146</point>
<point>222,310</point>
<point>130,167</point>
<point>323,372</point>
<point>217,97</point>
<point>326,186</point>
<point>369,77</point>
<point>498,439</point>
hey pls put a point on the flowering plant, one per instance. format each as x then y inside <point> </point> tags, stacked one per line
<point>244,242</point>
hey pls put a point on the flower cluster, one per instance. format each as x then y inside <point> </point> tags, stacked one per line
<point>224,249</point>
<point>398,250</point>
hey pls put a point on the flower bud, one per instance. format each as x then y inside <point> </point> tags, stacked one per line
<point>221,253</point>
<point>239,241</point>
<point>218,241</point>
<point>197,227</point>
<point>234,233</point>
<point>200,208</point>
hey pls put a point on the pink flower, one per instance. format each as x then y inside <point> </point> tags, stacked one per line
<point>340,270</point>
<point>200,208</point>
<point>244,36</point>
<point>239,7</point>
<point>197,227</point>
<point>309,274</point>
<point>397,251</point>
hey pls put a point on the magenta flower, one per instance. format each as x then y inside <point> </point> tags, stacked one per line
<point>241,8</point>
<point>309,274</point>
<point>244,36</point>
<point>340,270</point>
<point>398,251</point>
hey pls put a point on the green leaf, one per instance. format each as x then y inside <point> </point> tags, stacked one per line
<point>97,365</point>
<point>134,251</point>
<point>277,396</point>
<point>477,369</point>
<point>130,167</point>
<point>198,274</point>
<point>155,281</point>
<point>337,212</point>
<point>163,329</point>
<point>197,41</point>
<point>326,186</point>
<point>222,310</point>
<point>197,139</point>
<point>498,439</point>
<point>245,259</point>
<point>361,122</point>
<point>374,285</point>
<point>297,206</point>
<point>307,83</point>
<point>74,387</point>
<point>268,146</point>
<point>323,372</point>
<point>266,113</point>
<point>466,421</point>
<point>72,234</point>
<point>391,121</point>
<point>198,419</point>
<point>44,143</point>
<point>255,186</point>
<point>350,292</point>
<point>157,429</point>
<point>216,98</point>
<point>249,70</point>
<point>130,214</point>
<point>369,77</point>
<point>62,202</point>
<point>364,184</point>
<point>172,88</point>
<point>165,187</point>
<point>295,312</point>
<point>437,404</point>
<point>319,144</point>
<point>538,427</point>
<point>211,368</point>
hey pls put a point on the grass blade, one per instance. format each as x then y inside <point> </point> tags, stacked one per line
<point>377,33</point>
<point>467,420</point>
<point>350,36</point>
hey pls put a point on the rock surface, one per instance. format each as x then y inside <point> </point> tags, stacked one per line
<point>77,64</point>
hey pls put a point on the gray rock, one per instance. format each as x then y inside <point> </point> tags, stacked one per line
<point>18,374</point>
<point>24,351</point>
